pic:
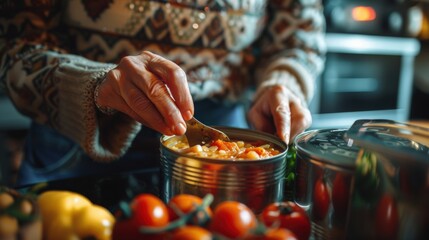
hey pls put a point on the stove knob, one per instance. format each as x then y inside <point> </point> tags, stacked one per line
<point>395,22</point>
<point>338,17</point>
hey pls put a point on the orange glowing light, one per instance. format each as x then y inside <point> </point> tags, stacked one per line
<point>363,14</point>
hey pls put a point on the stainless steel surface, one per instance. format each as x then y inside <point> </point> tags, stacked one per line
<point>255,183</point>
<point>416,134</point>
<point>366,182</point>
<point>324,159</point>
<point>199,133</point>
<point>390,191</point>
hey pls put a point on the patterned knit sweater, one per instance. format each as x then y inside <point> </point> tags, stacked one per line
<point>54,53</point>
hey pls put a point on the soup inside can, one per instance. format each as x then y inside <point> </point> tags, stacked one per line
<point>255,183</point>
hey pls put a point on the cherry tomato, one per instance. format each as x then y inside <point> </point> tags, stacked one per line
<point>279,234</point>
<point>186,203</point>
<point>321,200</point>
<point>340,195</point>
<point>191,233</point>
<point>287,215</point>
<point>386,219</point>
<point>147,210</point>
<point>232,219</point>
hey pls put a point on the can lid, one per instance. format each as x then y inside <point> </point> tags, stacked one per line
<point>328,146</point>
<point>398,141</point>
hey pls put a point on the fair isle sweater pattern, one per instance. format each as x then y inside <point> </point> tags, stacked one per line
<point>53,53</point>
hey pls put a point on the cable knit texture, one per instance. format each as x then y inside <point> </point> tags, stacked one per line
<point>103,137</point>
<point>224,46</point>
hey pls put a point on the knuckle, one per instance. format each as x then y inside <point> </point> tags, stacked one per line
<point>178,73</point>
<point>112,74</point>
<point>147,53</point>
<point>278,89</point>
<point>150,57</point>
<point>157,90</point>
<point>127,61</point>
<point>283,109</point>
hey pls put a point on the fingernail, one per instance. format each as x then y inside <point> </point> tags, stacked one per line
<point>179,129</point>
<point>187,115</point>
<point>286,138</point>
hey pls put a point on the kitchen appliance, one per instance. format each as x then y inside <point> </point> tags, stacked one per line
<point>400,18</point>
<point>369,62</point>
<point>255,183</point>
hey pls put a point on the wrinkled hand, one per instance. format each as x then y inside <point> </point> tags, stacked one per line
<point>279,111</point>
<point>152,90</point>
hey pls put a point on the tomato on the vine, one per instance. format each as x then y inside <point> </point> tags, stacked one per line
<point>186,203</point>
<point>146,210</point>
<point>232,219</point>
<point>279,234</point>
<point>287,215</point>
<point>191,233</point>
<point>150,211</point>
<point>386,218</point>
<point>321,199</point>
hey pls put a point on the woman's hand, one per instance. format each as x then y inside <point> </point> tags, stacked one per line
<point>150,89</point>
<point>280,111</point>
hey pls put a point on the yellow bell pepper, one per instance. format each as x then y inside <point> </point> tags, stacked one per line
<point>71,216</point>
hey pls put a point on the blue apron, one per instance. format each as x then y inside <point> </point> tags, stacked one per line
<point>50,156</point>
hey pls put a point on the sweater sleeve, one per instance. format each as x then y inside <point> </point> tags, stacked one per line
<point>293,44</point>
<point>55,88</point>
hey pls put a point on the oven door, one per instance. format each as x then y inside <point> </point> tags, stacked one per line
<point>365,77</point>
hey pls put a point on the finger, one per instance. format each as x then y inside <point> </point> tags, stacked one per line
<point>158,94</point>
<point>146,83</point>
<point>155,107</point>
<point>155,120</point>
<point>281,113</point>
<point>113,91</point>
<point>175,78</point>
<point>301,119</point>
<point>259,118</point>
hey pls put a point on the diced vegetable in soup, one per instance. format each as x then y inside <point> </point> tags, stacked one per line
<point>234,150</point>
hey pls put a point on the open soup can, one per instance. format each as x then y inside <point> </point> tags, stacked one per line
<point>254,182</point>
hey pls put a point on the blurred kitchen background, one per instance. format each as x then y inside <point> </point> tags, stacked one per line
<point>377,66</point>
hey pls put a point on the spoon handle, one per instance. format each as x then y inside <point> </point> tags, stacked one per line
<point>198,133</point>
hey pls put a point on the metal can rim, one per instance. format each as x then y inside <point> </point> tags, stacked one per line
<point>319,157</point>
<point>274,140</point>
